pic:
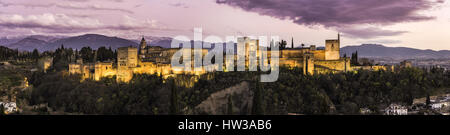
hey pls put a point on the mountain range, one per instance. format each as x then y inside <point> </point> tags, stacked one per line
<point>380,51</point>
<point>45,43</point>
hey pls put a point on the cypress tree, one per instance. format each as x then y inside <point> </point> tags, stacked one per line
<point>258,100</point>
<point>292,42</point>
<point>428,101</point>
<point>2,110</point>
<point>230,105</point>
<point>173,98</point>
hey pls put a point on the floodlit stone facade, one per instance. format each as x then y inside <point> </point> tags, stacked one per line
<point>157,60</point>
<point>131,60</point>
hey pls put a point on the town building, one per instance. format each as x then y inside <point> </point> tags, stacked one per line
<point>9,107</point>
<point>396,109</point>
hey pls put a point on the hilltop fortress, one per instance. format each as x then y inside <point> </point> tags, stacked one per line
<point>157,60</point>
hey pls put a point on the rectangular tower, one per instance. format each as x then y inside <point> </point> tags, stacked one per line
<point>126,61</point>
<point>332,49</point>
<point>248,51</point>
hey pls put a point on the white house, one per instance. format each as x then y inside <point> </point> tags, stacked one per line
<point>396,109</point>
<point>10,107</point>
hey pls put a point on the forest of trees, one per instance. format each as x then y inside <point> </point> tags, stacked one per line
<point>61,56</point>
<point>341,93</point>
<point>10,54</point>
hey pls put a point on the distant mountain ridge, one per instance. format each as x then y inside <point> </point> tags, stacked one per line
<point>29,44</point>
<point>380,51</point>
<point>92,40</point>
<point>45,43</point>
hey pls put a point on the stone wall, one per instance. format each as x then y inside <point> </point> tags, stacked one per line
<point>332,65</point>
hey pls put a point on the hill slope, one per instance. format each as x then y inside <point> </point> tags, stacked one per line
<point>93,40</point>
<point>45,43</point>
<point>380,51</point>
<point>28,44</point>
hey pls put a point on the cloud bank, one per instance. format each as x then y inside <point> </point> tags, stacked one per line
<point>62,23</point>
<point>341,14</point>
<point>75,6</point>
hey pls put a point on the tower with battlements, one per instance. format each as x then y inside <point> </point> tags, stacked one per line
<point>332,49</point>
<point>126,61</point>
<point>142,48</point>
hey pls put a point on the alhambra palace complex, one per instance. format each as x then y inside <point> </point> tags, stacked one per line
<point>156,60</point>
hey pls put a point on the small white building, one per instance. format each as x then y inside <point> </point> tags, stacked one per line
<point>439,105</point>
<point>10,107</point>
<point>365,111</point>
<point>396,109</point>
<point>440,102</point>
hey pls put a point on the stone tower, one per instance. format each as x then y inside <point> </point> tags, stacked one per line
<point>126,62</point>
<point>248,51</point>
<point>332,49</point>
<point>142,47</point>
<point>308,63</point>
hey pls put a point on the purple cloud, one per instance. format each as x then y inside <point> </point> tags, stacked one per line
<point>341,14</point>
<point>68,6</point>
<point>61,23</point>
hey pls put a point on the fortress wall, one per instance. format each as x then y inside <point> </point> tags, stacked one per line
<point>308,65</point>
<point>291,62</point>
<point>319,54</point>
<point>332,65</point>
<point>291,53</point>
<point>75,68</point>
<point>373,68</point>
<point>332,55</point>
<point>86,71</point>
<point>103,70</point>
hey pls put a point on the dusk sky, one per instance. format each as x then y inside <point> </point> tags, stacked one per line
<point>423,24</point>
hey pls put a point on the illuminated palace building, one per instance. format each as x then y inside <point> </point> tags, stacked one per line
<point>131,60</point>
<point>157,60</point>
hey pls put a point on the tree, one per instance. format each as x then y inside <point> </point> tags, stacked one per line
<point>87,54</point>
<point>35,54</point>
<point>354,59</point>
<point>282,46</point>
<point>292,42</point>
<point>173,98</point>
<point>104,54</point>
<point>230,105</point>
<point>258,100</point>
<point>428,101</point>
<point>2,109</point>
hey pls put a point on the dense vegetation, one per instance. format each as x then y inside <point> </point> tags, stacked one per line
<point>351,91</point>
<point>10,54</point>
<point>342,93</point>
<point>9,81</point>
<point>63,56</point>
